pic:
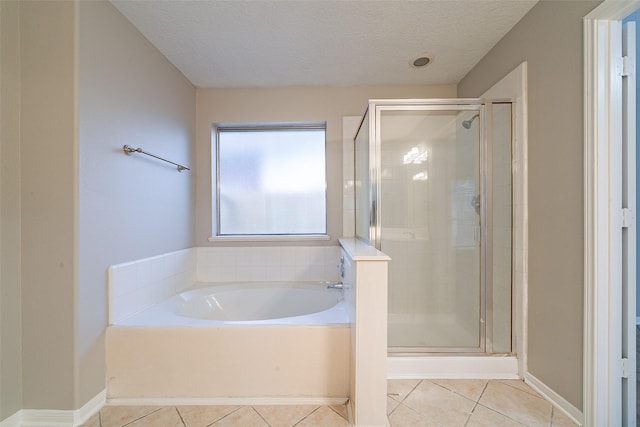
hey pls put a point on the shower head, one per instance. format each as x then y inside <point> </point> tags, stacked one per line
<point>467,123</point>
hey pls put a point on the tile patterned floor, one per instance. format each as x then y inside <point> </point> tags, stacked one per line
<point>220,416</point>
<point>469,403</point>
<point>410,403</point>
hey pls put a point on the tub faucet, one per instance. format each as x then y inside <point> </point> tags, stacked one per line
<point>335,285</point>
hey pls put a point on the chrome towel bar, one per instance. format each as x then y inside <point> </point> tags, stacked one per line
<point>128,150</point>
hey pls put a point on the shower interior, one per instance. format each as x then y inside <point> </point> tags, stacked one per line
<point>433,190</point>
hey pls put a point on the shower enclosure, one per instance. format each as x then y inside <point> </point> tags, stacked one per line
<point>433,190</point>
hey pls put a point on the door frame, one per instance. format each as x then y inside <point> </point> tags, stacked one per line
<point>602,123</point>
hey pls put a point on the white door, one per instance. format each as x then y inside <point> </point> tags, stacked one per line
<point>610,224</point>
<point>628,230</point>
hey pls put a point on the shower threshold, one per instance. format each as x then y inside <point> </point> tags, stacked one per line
<point>452,365</point>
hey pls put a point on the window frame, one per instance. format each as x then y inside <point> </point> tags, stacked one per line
<point>217,128</point>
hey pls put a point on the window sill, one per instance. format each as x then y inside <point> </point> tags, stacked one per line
<point>260,238</point>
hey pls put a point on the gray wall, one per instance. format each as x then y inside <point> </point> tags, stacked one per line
<point>47,198</point>
<point>130,207</point>
<point>549,38</point>
<point>10,305</point>
<point>79,81</point>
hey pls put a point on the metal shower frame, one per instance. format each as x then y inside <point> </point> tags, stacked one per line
<point>483,107</point>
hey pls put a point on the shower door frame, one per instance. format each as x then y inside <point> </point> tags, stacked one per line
<point>375,109</point>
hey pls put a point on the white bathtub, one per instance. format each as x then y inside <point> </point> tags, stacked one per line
<point>240,342</point>
<point>246,303</point>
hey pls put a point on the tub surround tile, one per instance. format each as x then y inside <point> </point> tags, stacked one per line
<point>516,404</point>
<point>135,285</point>
<point>284,415</point>
<point>270,263</point>
<point>203,416</point>
<point>118,416</point>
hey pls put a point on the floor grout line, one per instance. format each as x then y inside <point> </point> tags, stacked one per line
<point>412,390</point>
<point>404,398</point>
<point>483,390</point>
<point>340,415</point>
<point>532,393</point>
<point>221,418</point>
<point>260,415</point>
<point>504,415</point>
<point>394,409</point>
<point>305,417</point>
<point>144,416</point>
<point>180,416</point>
<point>475,405</point>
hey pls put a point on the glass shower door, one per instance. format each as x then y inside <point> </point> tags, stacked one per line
<point>429,224</point>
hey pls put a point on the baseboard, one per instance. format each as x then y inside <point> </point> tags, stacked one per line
<point>46,418</point>
<point>483,367</point>
<point>556,400</point>
<point>56,418</point>
<point>12,421</point>
<point>82,415</point>
<point>234,401</point>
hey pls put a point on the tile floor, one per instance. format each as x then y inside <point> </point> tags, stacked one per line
<point>410,403</point>
<point>220,416</point>
<point>469,403</point>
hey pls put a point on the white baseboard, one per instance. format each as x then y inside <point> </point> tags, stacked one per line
<point>485,367</point>
<point>82,415</point>
<point>46,418</point>
<point>56,418</point>
<point>233,401</point>
<point>12,421</point>
<point>556,400</point>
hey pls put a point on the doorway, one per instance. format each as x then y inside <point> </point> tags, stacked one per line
<point>610,226</point>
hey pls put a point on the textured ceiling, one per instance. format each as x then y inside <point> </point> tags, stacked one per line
<point>263,43</point>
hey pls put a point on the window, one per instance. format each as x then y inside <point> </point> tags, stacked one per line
<point>269,180</point>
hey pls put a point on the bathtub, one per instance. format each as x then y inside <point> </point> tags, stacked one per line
<point>247,303</point>
<point>233,343</point>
